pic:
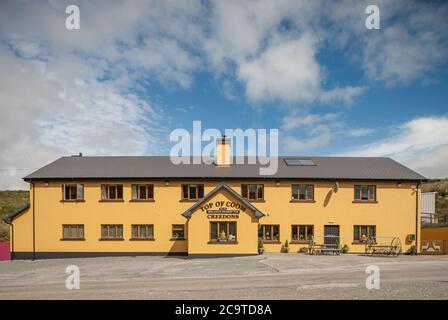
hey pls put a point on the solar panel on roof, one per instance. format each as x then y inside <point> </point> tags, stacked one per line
<point>306,162</point>
<point>299,162</point>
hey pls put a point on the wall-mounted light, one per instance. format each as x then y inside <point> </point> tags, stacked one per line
<point>167,182</point>
<point>399,184</point>
<point>277,183</point>
<point>47,183</point>
<point>336,186</point>
<point>331,221</point>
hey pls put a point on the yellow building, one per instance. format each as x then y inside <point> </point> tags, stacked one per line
<point>103,206</point>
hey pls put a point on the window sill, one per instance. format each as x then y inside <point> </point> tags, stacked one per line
<point>302,201</point>
<point>63,201</point>
<point>142,200</point>
<point>68,239</point>
<point>142,239</point>
<point>178,239</point>
<point>364,201</point>
<point>363,243</point>
<point>118,239</point>
<point>222,242</point>
<point>300,242</point>
<point>114,200</point>
<point>261,200</point>
<point>271,242</point>
<point>190,200</point>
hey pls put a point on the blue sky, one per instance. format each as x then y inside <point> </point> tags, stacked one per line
<point>136,70</point>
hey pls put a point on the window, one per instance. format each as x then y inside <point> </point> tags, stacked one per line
<point>302,232</point>
<point>73,232</point>
<point>178,232</point>
<point>269,232</point>
<point>364,233</point>
<point>223,231</point>
<point>365,193</point>
<point>112,231</point>
<point>143,232</point>
<point>73,192</point>
<point>302,192</point>
<point>142,192</point>
<point>252,191</point>
<point>112,192</point>
<point>192,191</point>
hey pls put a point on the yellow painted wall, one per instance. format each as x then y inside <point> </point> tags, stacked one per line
<point>393,215</point>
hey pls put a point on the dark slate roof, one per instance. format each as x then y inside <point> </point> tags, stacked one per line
<point>220,186</point>
<point>161,167</point>
<point>16,213</point>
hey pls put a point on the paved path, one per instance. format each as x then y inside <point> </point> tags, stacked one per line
<point>272,276</point>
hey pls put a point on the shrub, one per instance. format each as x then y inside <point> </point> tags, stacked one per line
<point>286,247</point>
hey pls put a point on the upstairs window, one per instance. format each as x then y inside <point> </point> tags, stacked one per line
<point>142,192</point>
<point>192,191</point>
<point>112,192</point>
<point>302,192</point>
<point>365,193</point>
<point>252,191</point>
<point>73,192</point>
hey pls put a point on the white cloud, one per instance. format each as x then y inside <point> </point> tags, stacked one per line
<point>271,47</point>
<point>55,108</point>
<point>291,122</point>
<point>306,132</point>
<point>360,132</point>
<point>286,71</point>
<point>64,92</point>
<point>346,94</point>
<point>410,46</point>
<point>422,144</point>
<point>302,133</point>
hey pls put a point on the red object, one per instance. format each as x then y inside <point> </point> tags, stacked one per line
<point>4,251</point>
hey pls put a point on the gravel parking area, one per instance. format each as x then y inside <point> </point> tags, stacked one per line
<point>271,276</point>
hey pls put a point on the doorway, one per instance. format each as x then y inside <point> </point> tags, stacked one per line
<point>331,234</point>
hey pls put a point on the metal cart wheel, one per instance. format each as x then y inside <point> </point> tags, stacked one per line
<point>395,246</point>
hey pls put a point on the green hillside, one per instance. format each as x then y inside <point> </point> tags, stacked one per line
<point>9,202</point>
<point>441,187</point>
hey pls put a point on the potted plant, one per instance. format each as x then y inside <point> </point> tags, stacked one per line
<point>412,250</point>
<point>260,247</point>
<point>345,248</point>
<point>222,236</point>
<point>286,247</point>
